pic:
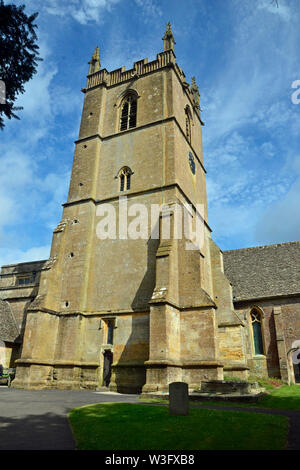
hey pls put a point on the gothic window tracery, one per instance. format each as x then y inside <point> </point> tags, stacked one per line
<point>125,178</point>
<point>256,322</point>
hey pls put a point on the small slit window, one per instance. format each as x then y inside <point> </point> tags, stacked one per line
<point>128,112</point>
<point>110,332</point>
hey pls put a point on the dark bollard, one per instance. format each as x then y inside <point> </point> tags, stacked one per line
<point>179,399</point>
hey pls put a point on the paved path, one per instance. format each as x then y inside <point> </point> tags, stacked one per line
<point>37,419</point>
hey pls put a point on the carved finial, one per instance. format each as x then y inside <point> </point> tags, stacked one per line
<point>195,93</point>
<point>95,61</point>
<point>168,39</point>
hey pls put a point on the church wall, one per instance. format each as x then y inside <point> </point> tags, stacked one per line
<point>232,350</point>
<point>19,298</point>
<point>180,101</point>
<point>93,109</point>
<point>198,342</point>
<point>143,154</point>
<point>193,186</point>
<point>151,101</point>
<point>18,307</point>
<point>125,275</point>
<point>131,339</point>
<point>44,328</point>
<point>85,170</point>
<point>130,350</point>
<point>290,315</point>
<point>64,285</point>
<point>7,354</point>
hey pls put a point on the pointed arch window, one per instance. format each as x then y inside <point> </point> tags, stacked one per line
<point>256,322</point>
<point>128,112</point>
<point>125,178</point>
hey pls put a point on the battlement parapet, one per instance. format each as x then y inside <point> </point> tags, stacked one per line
<point>140,68</point>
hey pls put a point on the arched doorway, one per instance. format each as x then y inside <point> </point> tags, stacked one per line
<point>296,364</point>
<point>293,356</point>
<point>107,362</point>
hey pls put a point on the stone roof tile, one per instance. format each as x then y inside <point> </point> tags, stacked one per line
<point>264,271</point>
<point>8,328</point>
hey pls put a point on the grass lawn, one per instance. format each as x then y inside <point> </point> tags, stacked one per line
<point>123,426</point>
<point>282,398</point>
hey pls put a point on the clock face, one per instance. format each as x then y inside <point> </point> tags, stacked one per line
<point>192,163</point>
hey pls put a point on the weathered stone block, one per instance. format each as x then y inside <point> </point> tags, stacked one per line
<point>178,399</point>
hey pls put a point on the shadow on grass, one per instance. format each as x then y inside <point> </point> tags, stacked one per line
<point>114,426</point>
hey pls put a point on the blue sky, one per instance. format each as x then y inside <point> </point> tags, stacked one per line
<point>245,56</point>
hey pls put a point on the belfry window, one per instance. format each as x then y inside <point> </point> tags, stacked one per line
<point>256,321</point>
<point>125,178</point>
<point>128,112</point>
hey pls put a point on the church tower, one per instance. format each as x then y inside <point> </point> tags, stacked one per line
<point>122,303</point>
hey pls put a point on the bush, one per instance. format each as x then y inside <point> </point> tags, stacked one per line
<point>234,379</point>
<point>269,383</point>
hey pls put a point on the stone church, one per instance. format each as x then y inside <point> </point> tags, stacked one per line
<point>136,313</point>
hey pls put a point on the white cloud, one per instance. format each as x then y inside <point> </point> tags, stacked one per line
<point>280,221</point>
<point>251,127</point>
<point>83,11</point>
<point>283,11</point>
<point>36,101</point>
<point>15,255</point>
<point>260,60</point>
<point>25,194</point>
<point>150,8</point>
<point>16,174</point>
<point>56,185</point>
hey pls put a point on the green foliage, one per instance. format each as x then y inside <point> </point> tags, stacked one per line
<point>123,426</point>
<point>233,379</point>
<point>18,54</point>
<point>269,383</point>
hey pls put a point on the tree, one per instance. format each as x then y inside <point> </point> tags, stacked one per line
<point>18,56</point>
